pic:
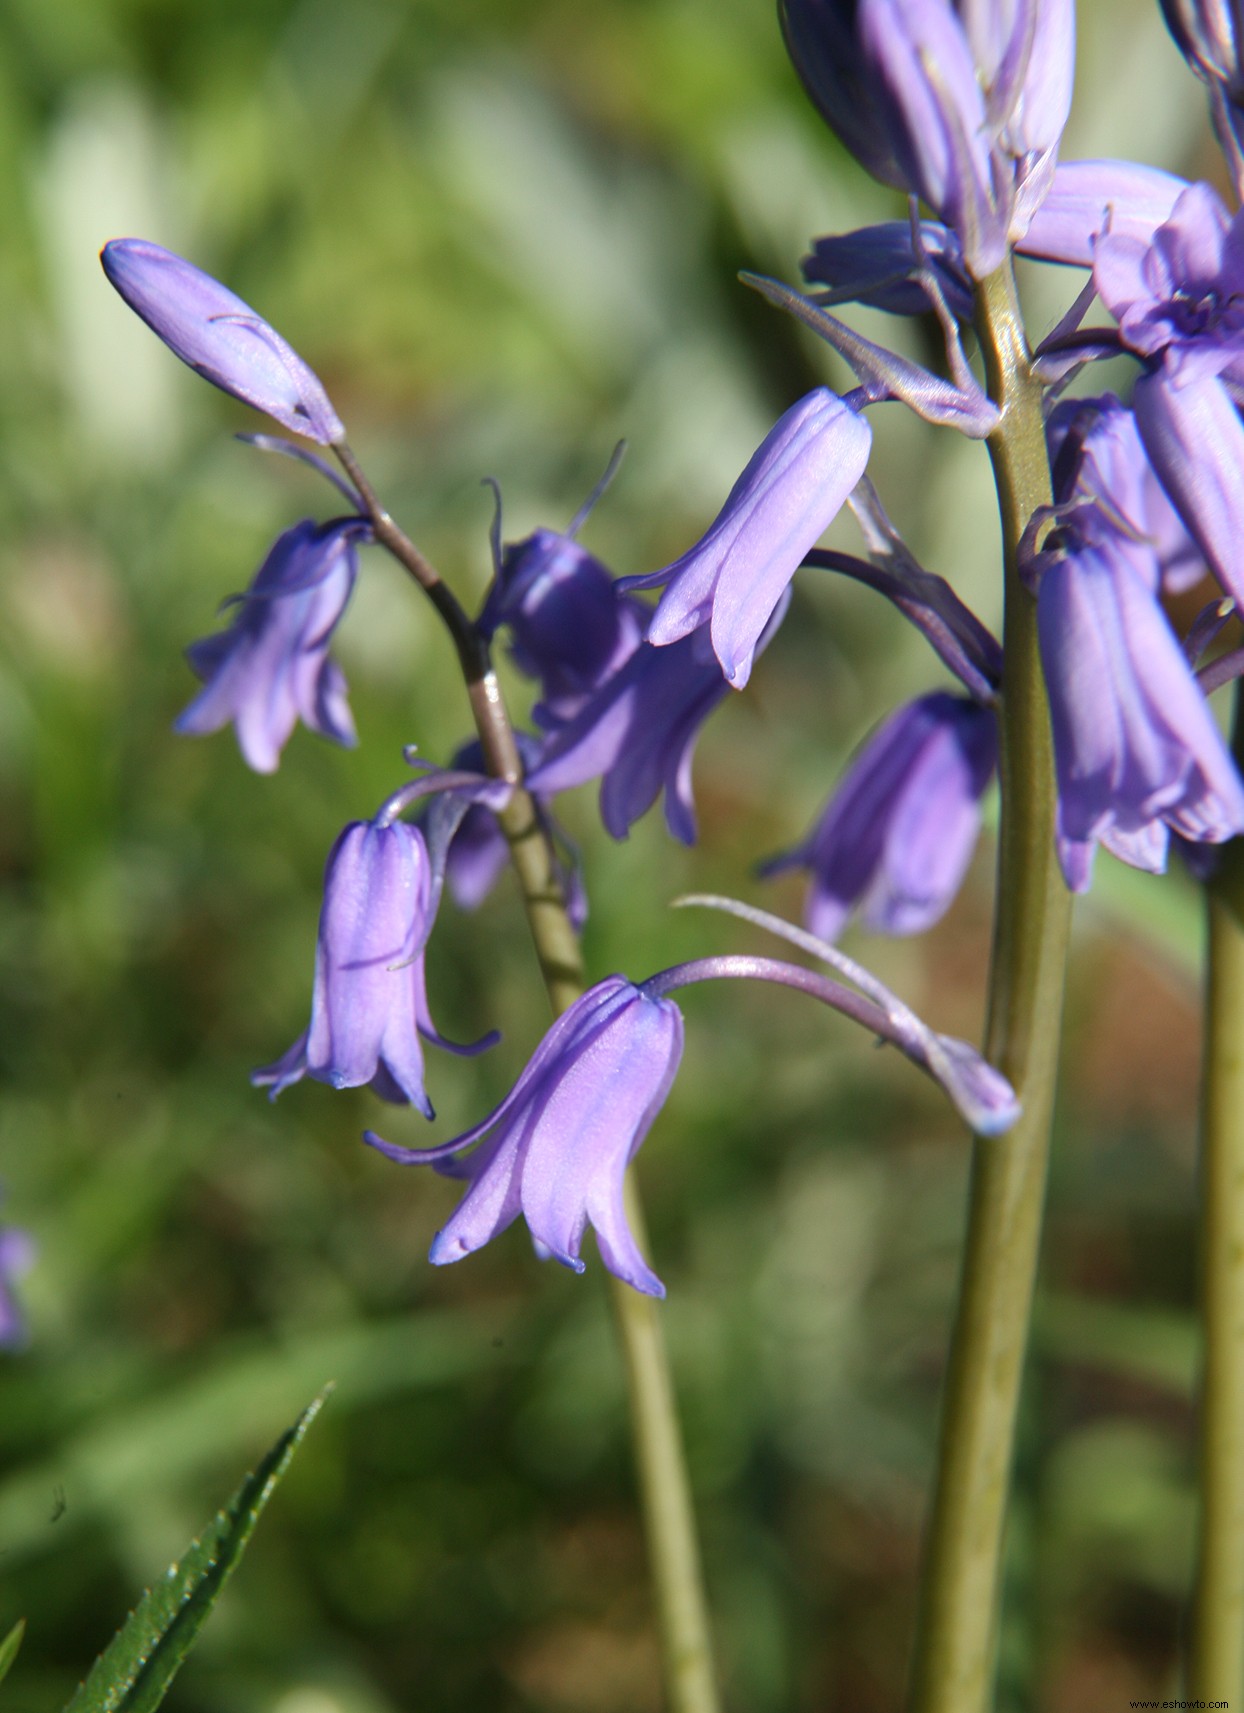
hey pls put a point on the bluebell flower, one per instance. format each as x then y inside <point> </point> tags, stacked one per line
<point>571,627</point>
<point>272,668</point>
<point>369,1005</point>
<point>17,1255</point>
<point>878,266</point>
<point>204,324</point>
<point>1137,750</point>
<point>792,489</point>
<point>638,733</point>
<point>959,103</point>
<point>1089,198</point>
<point>565,1134</point>
<point>895,839</point>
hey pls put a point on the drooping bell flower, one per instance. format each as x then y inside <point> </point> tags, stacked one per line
<point>272,668</point>
<point>792,489</point>
<point>959,103</point>
<point>571,627</point>
<point>1210,35</point>
<point>212,330</point>
<point>563,1137</point>
<point>1137,750</point>
<point>895,839</point>
<point>637,735</point>
<point>369,1004</point>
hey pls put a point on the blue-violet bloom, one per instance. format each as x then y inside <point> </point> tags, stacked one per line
<point>571,627</point>
<point>792,489</point>
<point>369,1005</point>
<point>17,1255</point>
<point>1136,747</point>
<point>203,323</point>
<point>565,1134</point>
<point>638,733</point>
<point>272,666</point>
<point>895,839</point>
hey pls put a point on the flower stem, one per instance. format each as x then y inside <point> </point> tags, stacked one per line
<point>953,1665</point>
<point>665,1490</point>
<point>1216,1651</point>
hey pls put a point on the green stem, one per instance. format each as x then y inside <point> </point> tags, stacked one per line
<point>1216,1652</point>
<point>665,1490</point>
<point>960,1596</point>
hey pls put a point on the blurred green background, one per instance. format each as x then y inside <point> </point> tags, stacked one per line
<point>506,235</point>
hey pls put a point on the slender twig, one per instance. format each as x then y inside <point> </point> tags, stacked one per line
<point>665,1490</point>
<point>1216,1643</point>
<point>953,1666</point>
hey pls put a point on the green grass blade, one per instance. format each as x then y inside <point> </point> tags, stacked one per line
<point>137,1667</point>
<point>9,1647</point>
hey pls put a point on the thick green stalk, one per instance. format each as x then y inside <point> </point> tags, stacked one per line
<point>953,1667</point>
<point>665,1491</point>
<point>1216,1650</point>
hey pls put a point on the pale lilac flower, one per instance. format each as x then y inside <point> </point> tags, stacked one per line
<point>272,668</point>
<point>895,839</point>
<point>203,323</point>
<point>1136,747</point>
<point>792,489</point>
<point>565,1134</point>
<point>369,1004</point>
<point>1090,198</point>
<point>1195,441</point>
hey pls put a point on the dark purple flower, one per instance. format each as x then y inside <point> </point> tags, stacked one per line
<point>369,1005</point>
<point>17,1255</point>
<point>639,731</point>
<point>791,491</point>
<point>570,626</point>
<point>204,324</point>
<point>271,668</point>
<point>895,839</point>
<point>962,104</point>
<point>1136,747</point>
<point>878,266</point>
<point>565,1134</point>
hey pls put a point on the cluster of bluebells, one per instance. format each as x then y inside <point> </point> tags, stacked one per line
<point>960,105</point>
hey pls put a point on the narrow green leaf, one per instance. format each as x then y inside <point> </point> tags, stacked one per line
<point>9,1647</point>
<point>135,1670</point>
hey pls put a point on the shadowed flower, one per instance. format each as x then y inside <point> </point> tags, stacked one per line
<point>639,731</point>
<point>271,668</point>
<point>571,627</point>
<point>787,497</point>
<point>369,1005</point>
<point>17,1254</point>
<point>959,103</point>
<point>565,1134</point>
<point>896,838</point>
<point>203,323</point>
<point>1136,747</point>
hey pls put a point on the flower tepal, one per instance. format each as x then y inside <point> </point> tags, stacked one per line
<point>565,1134</point>
<point>369,1005</point>
<point>792,489</point>
<point>208,327</point>
<point>272,666</point>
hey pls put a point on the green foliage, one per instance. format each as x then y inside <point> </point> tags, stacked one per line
<point>9,1647</point>
<point>134,1672</point>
